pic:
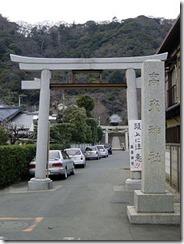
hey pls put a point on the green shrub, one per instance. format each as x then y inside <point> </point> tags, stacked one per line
<point>4,135</point>
<point>14,161</point>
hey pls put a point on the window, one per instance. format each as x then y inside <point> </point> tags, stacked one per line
<point>173,134</point>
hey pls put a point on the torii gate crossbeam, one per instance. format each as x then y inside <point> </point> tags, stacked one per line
<point>31,63</point>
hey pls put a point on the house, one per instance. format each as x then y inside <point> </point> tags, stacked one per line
<point>20,122</point>
<point>7,113</point>
<point>24,122</point>
<point>171,44</point>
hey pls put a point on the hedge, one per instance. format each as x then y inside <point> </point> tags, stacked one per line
<point>14,161</point>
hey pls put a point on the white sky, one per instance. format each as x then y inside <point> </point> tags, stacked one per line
<point>80,11</point>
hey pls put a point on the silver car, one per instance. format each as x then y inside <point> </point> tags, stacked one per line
<point>59,164</point>
<point>77,156</point>
<point>92,152</point>
<point>103,151</point>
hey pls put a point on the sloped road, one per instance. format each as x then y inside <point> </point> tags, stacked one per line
<point>116,142</point>
<point>90,205</point>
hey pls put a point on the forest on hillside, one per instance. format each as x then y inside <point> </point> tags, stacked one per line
<point>128,37</point>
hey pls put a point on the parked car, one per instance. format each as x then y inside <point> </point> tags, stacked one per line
<point>109,148</point>
<point>103,151</point>
<point>77,156</point>
<point>92,152</point>
<point>59,164</point>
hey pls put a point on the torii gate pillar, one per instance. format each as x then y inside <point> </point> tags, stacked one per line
<point>40,182</point>
<point>106,136</point>
<point>135,181</point>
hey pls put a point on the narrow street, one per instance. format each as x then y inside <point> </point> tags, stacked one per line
<point>91,205</point>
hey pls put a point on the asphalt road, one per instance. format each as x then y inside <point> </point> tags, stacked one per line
<point>89,206</point>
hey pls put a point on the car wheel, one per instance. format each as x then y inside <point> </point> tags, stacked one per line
<point>65,174</point>
<point>73,171</point>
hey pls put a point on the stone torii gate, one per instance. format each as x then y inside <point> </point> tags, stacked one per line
<point>46,65</point>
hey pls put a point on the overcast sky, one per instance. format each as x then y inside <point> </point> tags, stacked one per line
<point>80,11</point>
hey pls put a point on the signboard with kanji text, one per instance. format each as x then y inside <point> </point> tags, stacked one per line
<point>135,147</point>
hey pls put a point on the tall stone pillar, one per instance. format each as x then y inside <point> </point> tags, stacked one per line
<point>131,95</point>
<point>126,141</point>
<point>153,204</point>
<point>40,182</point>
<point>106,136</point>
<point>135,181</point>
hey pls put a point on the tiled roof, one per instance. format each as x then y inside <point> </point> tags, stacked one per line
<point>7,113</point>
<point>24,120</point>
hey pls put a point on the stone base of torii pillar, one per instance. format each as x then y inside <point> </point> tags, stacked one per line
<point>40,184</point>
<point>133,184</point>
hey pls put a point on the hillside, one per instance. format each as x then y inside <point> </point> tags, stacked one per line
<point>130,37</point>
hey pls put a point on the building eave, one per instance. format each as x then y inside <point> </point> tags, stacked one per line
<point>172,39</point>
<point>173,111</point>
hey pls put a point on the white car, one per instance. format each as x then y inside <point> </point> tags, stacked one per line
<point>92,152</point>
<point>77,156</point>
<point>103,151</point>
<point>59,164</point>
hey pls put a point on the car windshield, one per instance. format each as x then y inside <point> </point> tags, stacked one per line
<point>73,152</point>
<point>100,147</point>
<point>91,149</point>
<point>107,146</point>
<point>54,155</point>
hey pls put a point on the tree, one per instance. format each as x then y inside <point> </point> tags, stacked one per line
<point>86,102</point>
<point>77,117</point>
<point>117,77</point>
<point>93,125</point>
<point>61,133</point>
<point>130,37</point>
<point>99,133</point>
<point>4,136</point>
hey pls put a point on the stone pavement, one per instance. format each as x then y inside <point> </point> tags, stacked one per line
<point>116,143</point>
